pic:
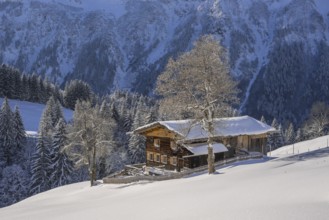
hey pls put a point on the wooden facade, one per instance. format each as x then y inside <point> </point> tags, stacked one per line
<point>160,151</point>
<point>167,147</point>
<point>252,143</point>
<point>163,155</point>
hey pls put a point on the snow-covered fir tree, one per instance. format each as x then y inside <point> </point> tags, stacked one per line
<point>151,116</point>
<point>76,90</point>
<point>279,137</point>
<point>6,134</point>
<point>290,134</point>
<point>17,150</point>
<point>262,119</point>
<point>50,117</point>
<point>275,140</point>
<point>57,113</point>
<point>41,166</point>
<point>62,166</point>
<point>46,125</point>
<point>136,147</point>
<point>299,135</point>
<point>34,88</point>
<point>275,124</point>
<point>14,185</point>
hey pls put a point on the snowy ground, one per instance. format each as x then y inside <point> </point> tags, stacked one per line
<point>293,187</point>
<point>302,147</point>
<point>31,113</point>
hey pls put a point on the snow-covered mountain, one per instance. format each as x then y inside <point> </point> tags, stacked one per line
<point>293,187</point>
<point>126,44</point>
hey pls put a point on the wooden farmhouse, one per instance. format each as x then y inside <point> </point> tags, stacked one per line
<point>183,143</point>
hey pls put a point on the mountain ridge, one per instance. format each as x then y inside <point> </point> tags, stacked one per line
<point>126,44</point>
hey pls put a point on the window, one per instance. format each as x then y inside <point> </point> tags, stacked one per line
<point>157,158</point>
<point>149,156</point>
<point>173,145</point>
<point>173,161</point>
<point>156,142</point>
<point>164,159</point>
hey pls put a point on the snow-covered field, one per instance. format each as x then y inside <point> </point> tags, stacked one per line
<point>31,113</point>
<point>294,187</point>
<point>301,147</point>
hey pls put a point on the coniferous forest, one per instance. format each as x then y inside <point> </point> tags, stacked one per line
<point>30,165</point>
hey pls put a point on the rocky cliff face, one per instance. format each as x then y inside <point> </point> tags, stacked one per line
<point>126,44</point>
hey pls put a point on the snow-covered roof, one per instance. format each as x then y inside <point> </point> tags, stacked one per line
<point>224,127</point>
<point>202,148</point>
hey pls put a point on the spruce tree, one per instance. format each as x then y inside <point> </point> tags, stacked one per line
<point>9,81</point>
<point>13,185</point>
<point>17,84</point>
<point>62,166</point>
<point>24,88</point>
<point>275,124</point>
<point>76,90</point>
<point>262,119</point>
<point>299,135</point>
<point>57,113</point>
<point>2,81</point>
<point>43,96</point>
<point>136,146</point>
<point>279,137</point>
<point>40,167</point>
<point>290,134</point>
<point>50,117</point>
<point>6,133</point>
<point>34,88</point>
<point>152,116</point>
<point>19,136</point>
<point>275,140</point>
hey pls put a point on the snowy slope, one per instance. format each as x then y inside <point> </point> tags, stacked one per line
<point>284,188</point>
<point>301,147</point>
<point>31,113</point>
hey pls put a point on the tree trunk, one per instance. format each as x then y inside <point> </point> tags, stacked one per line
<point>211,159</point>
<point>90,161</point>
<point>210,128</point>
<point>92,167</point>
<point>91,178</point>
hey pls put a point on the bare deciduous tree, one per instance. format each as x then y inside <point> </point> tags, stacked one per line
<point>198,84</point>
<point>88,139</point>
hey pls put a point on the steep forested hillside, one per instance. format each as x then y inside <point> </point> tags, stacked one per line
<point>277,49</point>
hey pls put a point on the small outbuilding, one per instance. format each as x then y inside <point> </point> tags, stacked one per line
<point>183,143</point>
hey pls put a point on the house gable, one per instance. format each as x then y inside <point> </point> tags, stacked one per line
<point>160,131</point>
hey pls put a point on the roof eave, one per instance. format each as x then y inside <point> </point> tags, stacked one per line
<point>143,130</point>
